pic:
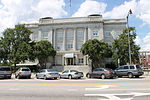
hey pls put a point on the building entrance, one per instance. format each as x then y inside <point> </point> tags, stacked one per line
<point>69,61</point>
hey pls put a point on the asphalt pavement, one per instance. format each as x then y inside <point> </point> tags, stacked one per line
<point>76,89</point>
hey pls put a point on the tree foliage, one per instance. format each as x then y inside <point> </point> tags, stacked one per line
<point>42,50</point>
<point>96,51</point>
<point>15,44</point>
<point>121,47</point>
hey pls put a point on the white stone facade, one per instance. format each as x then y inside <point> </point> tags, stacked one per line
<point>68,34</point>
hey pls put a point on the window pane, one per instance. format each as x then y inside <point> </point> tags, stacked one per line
<point>95,33</point>
<point>107,34</point>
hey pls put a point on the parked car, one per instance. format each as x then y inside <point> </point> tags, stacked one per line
<point>129,70</point>
<point>101,73</point>
<point>23,73</point>
<point>5,72</point>
<point>71,74</point>
<point>144,67</point>
<point>47,73</point>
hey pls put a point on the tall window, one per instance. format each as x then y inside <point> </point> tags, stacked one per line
<point>107,34</point>
<point>45,36</point>
<point>59,46</point>
<point>69,35</point>
<point>35,37</point>
<point>69,46</point>
<point>59,36</point>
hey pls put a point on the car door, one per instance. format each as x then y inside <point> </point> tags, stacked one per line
<point>65,74</point>
<point>119,70</point>
<point>41,73</point>
<point>125,70</point>
<point>94,73</point>
<point>1,72</point>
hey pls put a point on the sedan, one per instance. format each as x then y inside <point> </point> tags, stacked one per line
<point>101,73</point>
<point>71,74</point>
<point>47,73</point>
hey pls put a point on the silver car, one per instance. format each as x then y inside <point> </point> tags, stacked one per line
<point>23,72</point>
<point>71,74</point>
<point>47,73</point>
<point>5,72</point>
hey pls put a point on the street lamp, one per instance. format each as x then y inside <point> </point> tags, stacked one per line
<point>129,13</point>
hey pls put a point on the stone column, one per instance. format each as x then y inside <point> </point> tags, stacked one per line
<point>40,35</point>
<point>64,39</point>
<point>75,39</point>
<point>85,35</point>
<point>54,38</point>
<point>84,60</point>
<point>63,60</point>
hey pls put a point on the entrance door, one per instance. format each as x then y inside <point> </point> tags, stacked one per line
<point>69,61</point>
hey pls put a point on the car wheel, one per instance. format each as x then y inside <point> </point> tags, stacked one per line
<point>88,76</point>
<point>37,77</point>
<point>45,78</point>
<point>70,76</point>
<point>130,75</point>
<point>103,76</point>
<point>55,78</point>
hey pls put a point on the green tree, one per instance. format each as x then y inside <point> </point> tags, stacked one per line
<point>96,50</point>
<point>121,47</point>
<point>16,44</point>
<point>42,50</point>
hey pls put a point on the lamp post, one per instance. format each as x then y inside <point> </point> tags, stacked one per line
<point>129,13</point>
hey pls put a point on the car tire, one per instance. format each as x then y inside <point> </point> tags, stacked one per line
<point>88,76</point>
<point>70,76</point>
<point>130,75</point>
<point>37,77</point>
<point>103,76</point>
<point>45,78</point>
<point>55,78</point>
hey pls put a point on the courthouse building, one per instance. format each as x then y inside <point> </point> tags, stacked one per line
<point>68,34</point>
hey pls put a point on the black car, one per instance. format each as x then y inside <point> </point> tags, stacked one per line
<point>101,73</point>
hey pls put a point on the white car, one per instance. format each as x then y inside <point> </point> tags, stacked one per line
<point>47,73</point>
<point>71,74</point>
<point>23,72</point>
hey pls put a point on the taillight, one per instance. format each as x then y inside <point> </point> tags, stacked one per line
<point>19,72</point>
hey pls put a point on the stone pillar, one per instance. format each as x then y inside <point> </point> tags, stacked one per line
<point>63,60</point>
<point>40,35</point>
<point>54,39</point>
<point>84,60</point>
<point>85,35</point>
<point>64,39</point>
<point>75,39</point>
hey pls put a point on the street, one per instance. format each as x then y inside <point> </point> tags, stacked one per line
<point>75,89</point>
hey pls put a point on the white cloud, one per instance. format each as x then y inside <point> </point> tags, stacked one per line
<point>26,11</point>
<point>144,43</point>
<point>90,7</point>
<point>121,11</point>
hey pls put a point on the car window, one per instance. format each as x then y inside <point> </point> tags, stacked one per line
<point>131,67</point>
<point>138,67</point>
<point>126,67</point>
<point>121,67</point>
<point>25,69</point>
<point>100,69</point>
<point>66,71</point>
<point>49,70</point>
<point>73,71</point>
<point>95,70</point>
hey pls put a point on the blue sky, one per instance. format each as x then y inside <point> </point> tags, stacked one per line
<point>29,11</point>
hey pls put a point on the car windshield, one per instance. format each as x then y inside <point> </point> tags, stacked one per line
<point>25,69</point>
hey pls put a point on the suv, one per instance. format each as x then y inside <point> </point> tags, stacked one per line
<point>5,72</point>
<point>23,72</point>
<point>129,70</point>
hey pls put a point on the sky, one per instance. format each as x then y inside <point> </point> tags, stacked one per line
<point>14,12</point>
